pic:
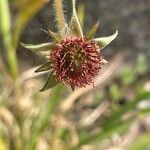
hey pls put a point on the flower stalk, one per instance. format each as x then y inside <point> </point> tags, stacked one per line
<point>60,18</point>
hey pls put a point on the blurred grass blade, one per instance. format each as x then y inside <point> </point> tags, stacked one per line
<point>115,117</point>
<point>99,136</point>
<point>51,82</point>
<point>45,67</point>
<point>25,15</point>
<point>128,76</point>
<point>3,144</point>
<point>5,24</point>
<point>104,41</point>
<point>142,143</point>
<point>20,3</point>
<point>113,123</point>
<point>141,66</point>
<point>5,29</point>
<point>145,111</point>
<point>45,114</point>
<point>38,47</point>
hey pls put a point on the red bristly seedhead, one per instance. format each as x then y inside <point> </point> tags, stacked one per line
<point>75,61</point>
<point>72,57</point>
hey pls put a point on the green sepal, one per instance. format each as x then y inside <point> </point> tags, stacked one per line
<point>51,82</point>
<point>44,67</point>
<point>55,36</point>
<point>39,47</point>
<point>104,41</point>
<point>42,50</point>
<point>74,28</point>
<point>91,33</point>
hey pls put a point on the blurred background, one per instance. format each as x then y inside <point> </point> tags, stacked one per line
<point>113,116</point>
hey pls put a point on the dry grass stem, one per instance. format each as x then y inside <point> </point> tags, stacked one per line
<point>91,118</point>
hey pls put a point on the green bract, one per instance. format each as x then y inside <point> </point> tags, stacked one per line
<point>71,30</point>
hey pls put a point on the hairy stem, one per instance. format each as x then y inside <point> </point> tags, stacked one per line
<point>60,18</point>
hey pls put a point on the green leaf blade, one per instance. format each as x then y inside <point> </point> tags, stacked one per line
<point>25,15</point>
<point>51,82</point>
<point>104,41</point>
<point>44,67</point>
